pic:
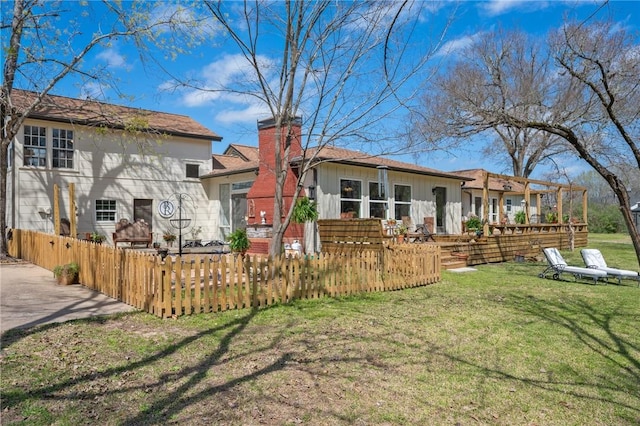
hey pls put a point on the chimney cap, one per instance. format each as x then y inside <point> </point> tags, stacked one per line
<point>271,122</point>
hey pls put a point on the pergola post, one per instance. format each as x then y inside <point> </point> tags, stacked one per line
<point>56,209</point>
<point>485,204</point>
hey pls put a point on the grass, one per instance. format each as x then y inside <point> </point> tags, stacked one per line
<point>497,346</point>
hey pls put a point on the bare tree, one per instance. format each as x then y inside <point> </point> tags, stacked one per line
<point>344,67</point>
<point>503,70</point>
<point>45,45</point>
<point>590,100</point>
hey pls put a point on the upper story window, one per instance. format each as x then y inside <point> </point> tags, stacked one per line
<point>105,210</point>
<point>193,170</point>
<point>62,149</point>
<point>350,196</point>
<point>402,201</point>
<point>35,146</point>
<point>40,145</point>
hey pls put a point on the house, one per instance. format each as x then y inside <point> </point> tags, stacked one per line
<point>635,211</point>
<point>343,183</point>
<point>124,162</point>
<point>509,192</point>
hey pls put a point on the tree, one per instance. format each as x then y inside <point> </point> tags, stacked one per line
<point>505,70</point>
<point>342,66</point>
<point>590,101</point>
<point>46,46</point>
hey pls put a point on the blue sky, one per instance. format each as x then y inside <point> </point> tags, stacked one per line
<point>234,116</point>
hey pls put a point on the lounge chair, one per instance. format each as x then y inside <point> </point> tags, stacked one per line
<point>558,266</point>
<point>420,233</point>
<point>594,259</point>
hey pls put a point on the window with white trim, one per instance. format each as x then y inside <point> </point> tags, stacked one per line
<point>509,205</point>
<point>35,146</point>
<point>402,194</point>
<point>350,196</point>
<point>105,210</point>
<point>377,202</point>
<point>62,154</point>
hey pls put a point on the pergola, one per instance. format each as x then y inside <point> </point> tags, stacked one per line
<point>555,188</point>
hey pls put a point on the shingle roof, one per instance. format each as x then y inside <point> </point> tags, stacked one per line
<point>236,159</point>
<point>346,156</point>
<point>90,112</point>
<point>241,158</point>
<point>495,184</point>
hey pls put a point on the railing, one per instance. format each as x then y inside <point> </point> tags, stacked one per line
<point>182,286</point>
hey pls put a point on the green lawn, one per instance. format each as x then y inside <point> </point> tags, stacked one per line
<point>497,346</point>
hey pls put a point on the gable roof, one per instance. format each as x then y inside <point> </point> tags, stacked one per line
<point>235,159</point>
<point>242,158</point>
<point>495,183</point>
<point>357,158</point>
<point>93,113</point>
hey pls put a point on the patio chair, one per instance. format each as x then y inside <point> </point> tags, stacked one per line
<point>415,233</point>
<point>558,266</point>
<point>594,259</point>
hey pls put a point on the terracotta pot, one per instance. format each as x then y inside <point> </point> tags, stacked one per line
<point>67,279</point>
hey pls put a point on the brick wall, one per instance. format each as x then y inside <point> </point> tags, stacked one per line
<point>261,195</point>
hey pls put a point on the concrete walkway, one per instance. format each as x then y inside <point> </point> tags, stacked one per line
<point>30,296</point>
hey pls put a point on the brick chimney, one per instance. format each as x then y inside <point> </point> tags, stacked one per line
<point>261,195</point>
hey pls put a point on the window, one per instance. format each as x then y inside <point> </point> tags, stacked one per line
<point>193,170</point>
<point>377,203</point>
<point>62,148</point>
<point>350,196</point>
<point>35,146</point>
<point>509,205</point>
<point>402,201</point>
<point>239,186</point>
<point>105,210</point>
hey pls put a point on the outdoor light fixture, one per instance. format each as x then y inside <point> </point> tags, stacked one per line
<point>311,190</point>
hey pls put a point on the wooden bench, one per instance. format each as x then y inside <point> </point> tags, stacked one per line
<point>345,235</point>
<point>138,232</point>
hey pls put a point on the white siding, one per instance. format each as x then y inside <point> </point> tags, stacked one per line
<point>113,165</point>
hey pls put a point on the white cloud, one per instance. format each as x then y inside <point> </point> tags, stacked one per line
<point>500,7</point>
<point>112,58</point>
<point>93,90</point>
<point>453,46</point>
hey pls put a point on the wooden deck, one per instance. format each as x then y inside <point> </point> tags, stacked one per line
<point>508,243</point>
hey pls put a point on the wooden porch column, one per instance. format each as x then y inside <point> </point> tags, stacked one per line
<point>501,214</point>
<point>72,210</point>
<point>56,209</point>
<point>527,196</point>
<point>485,204</point>
<point>538,205</point>
<point>560,205</point>
<point>584,206</point>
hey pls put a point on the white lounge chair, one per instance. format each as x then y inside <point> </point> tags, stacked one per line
<point>558,266</point>
<point>594,259</point>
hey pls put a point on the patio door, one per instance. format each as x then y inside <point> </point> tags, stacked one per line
<point>238,211</point>
<point>441,209</point>
<point>142,209</point>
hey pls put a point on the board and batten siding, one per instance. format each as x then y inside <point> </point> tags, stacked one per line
<point>111,165</point>
<point>422,203</point>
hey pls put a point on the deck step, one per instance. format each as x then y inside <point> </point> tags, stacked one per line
<point>453,264</point>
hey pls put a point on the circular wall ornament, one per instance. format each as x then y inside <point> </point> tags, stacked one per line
<point>166,208</point>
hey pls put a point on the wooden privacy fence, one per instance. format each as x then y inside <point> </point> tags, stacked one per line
<point>212,283</point>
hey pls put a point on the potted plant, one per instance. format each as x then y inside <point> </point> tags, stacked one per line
<point>169,237</point>
<point>473,224</point>
<point>67,274</point>
<point>238,241</point>
<point>304,211</point>
<point>401,231</point>
<point>521,217</point>
<point>97,238</point>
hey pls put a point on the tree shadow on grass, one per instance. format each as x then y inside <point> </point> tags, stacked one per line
<point>585,322</point>
<point>174,401</point>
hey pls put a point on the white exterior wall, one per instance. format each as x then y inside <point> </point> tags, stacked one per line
<point>212,186</point>
<point>110,165</point>
<point>422,202</point>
